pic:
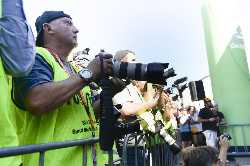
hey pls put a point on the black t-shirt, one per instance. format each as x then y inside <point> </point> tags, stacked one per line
<point>41,73</point>
<point>207,114</point>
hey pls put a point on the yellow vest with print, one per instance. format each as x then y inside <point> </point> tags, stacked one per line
<point>69,122</point>
<point>8,136</point>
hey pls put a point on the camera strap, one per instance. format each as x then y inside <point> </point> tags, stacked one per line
<point>84,103</point>
<point>107,118</point>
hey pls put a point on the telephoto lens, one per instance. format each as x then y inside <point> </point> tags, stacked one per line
<point>156,73</point>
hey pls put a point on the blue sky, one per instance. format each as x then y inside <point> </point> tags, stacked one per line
<point>158,31</point>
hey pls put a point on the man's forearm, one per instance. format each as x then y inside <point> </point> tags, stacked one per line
<point>133,108</point>
<point>203,120</point>
<point>47,97</point>
<point>223,155</point>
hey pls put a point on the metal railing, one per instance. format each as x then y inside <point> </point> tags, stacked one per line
<point>42,148</point>
<point>156,155</point>
<point>139,154</point>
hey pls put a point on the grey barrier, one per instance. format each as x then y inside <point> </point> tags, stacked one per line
<point>140,154</point>
<point>42,148</point>
<point>157,155</point>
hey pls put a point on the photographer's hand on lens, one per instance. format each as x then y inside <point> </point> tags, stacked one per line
<point>95,66</point>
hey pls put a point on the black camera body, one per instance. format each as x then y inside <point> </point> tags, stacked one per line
<point>226,135</point>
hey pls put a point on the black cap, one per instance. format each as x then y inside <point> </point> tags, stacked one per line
<point>46,17</point>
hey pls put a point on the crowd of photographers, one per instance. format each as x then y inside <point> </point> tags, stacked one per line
<point>53,99</point>
<point>148,108</point>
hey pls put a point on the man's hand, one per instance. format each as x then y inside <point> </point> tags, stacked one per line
<point>150,93</point>
<point>151,96</point>
<point>151,103</point>
<point>224,145</point>
<point>224,142</point>
<point>95,66</point>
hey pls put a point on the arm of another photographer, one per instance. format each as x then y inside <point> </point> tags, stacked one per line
<point>202,117</point>
<point>224,145</point>
<point>200,120</point>
<point>132,104</point>
<point>42,95</point>
<point>130,107</point>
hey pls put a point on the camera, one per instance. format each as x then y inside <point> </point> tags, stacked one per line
<point>179,81</point>
<point>156,73</point>
<point>226,135</point>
